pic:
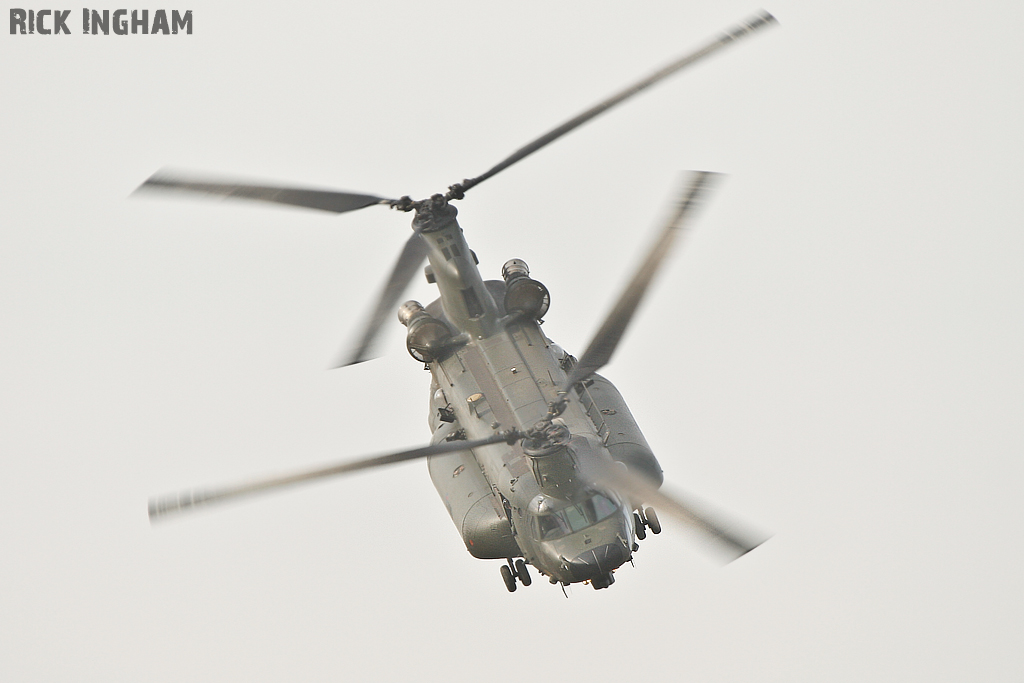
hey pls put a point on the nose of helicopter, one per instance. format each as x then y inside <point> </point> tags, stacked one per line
<point>598,562</point>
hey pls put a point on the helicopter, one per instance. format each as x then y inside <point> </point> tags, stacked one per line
<point>536,456</point>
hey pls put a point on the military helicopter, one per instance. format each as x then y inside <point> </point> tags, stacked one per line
<point>536,457</point>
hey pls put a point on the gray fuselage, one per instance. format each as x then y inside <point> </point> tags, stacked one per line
<point>501,372</point>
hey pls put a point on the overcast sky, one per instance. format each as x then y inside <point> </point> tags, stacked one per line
<point>835,355</point>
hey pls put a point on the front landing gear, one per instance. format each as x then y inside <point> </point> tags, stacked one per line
<point>644,519</point>
<point>515,570</point>
<point>653,523</point>
<point>523,573</point>
<point>506,576</point>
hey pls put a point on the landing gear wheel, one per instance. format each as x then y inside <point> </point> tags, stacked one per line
<point>652,521</point>
<point>506,576</point>
<point>641,532</point>
<point>523,573</point>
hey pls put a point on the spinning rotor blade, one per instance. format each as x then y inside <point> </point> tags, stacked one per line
<point>607,338</point>
<point>188,500</point>
<point>732,538</point>
<point>409,261</point>
<point>323,200</point>
<point>741,30</point>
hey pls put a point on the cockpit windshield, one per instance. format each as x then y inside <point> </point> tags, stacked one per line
<point>574,517</point>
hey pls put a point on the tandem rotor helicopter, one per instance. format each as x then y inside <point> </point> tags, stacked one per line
<point>536,457</point>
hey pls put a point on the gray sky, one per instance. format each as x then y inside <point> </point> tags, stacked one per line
<point>835,355</point>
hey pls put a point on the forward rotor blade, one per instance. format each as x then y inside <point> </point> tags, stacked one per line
<point>409,261</point>
<point>323,200</point>
<point>731,538</point>
<point>741,30</point>
<point>188,500</point>
<point>607,338</point>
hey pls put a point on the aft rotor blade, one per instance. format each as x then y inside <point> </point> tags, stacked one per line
<point>607,338</point>
<point>409,261</point>
<point>189,500</point>
<point>741,30</point>
<point>730,537</point>
<point>322,200</point>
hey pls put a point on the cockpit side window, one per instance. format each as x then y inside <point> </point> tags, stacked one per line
<point>551,526</point>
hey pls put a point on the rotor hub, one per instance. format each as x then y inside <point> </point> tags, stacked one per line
<point>545,438</point>
<point>433,214</point>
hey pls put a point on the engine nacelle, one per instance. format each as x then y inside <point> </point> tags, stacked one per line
<point>523,294</point>
<point>427,336</point>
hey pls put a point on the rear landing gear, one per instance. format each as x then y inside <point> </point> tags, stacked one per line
<point>515,570</point>
<point>523,573</point>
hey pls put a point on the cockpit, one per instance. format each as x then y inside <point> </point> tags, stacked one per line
<point>554,518</point>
